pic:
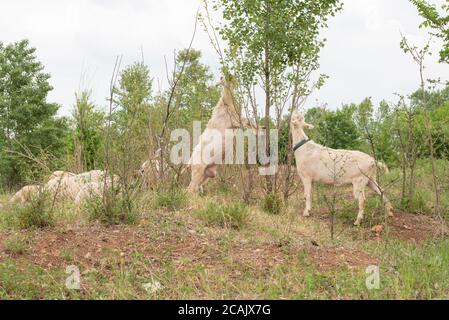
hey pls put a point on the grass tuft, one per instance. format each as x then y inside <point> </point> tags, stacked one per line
<point>231,216</point>
<point>273,203</point>
<point>172,200</point>
<point>111,210</point>
<point>16,245</point>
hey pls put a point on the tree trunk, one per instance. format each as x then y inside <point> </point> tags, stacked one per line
<point>267,73</point>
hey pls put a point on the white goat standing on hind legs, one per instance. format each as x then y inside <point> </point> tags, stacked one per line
<point>316,163</point>
<point>225,116</point>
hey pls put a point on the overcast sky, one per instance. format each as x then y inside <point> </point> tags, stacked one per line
<point>78,41</point>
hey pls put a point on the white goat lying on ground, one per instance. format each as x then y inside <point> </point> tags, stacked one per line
<point>67,185</point>
<point>59,174</point>
<point>89,190</point>
<point>25,194</point>
<point>316,163</point>
<point>225,116</point>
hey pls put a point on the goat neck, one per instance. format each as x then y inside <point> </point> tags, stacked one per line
<point>298,135</point>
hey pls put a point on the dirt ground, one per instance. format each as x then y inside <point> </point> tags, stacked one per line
<point>89,245</point>
<point>416,228</point>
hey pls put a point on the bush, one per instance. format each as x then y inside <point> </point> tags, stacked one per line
<point>172,200</point>
<point>232,216</point>
<point>273,203</point>
<point>16,245</point>
<point>111,210</point>
<point>37,213</point>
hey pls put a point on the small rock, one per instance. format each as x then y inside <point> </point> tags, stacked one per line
<point>314,243</point>
<point>152,287</point>
<point>378,229</point>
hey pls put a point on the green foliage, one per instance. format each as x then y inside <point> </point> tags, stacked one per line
<point>230,216</point>
<point>86,145</point>
<point>335,129</point>
<point>131,115</point>
<point>16,244</point>
<point>438,21</point>
<point>259,54</point>
<point>110,209</point>
<point>27,120</point>
<point>172,200</point>
<point>339,131</point>
<point>256,31</point>
<point>284,141</point>
<point>273,203</point>
<point>195,95</point>
<point>37,213</point>
<point>127,141</point>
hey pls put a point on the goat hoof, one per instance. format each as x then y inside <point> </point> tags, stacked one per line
<point>390,214</point>
<point>306,214</point>
<point>357,223</point>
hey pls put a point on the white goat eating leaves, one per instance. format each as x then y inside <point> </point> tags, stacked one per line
<point>226,117</point>
<point>317,163</point>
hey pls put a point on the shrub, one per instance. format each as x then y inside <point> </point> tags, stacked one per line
<point>420,203</point>
<point>232,216</point>
<point>273,203</point>
<point>16,245</point>
<point>111,209</point>
<point>38,213</point>
<point>172,200</point>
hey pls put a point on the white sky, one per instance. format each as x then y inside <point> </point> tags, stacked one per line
<point>81,39</point>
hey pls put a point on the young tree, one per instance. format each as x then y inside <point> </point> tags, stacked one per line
<point>26,118</point>
<point>437,19</point>
<point>87,139</point>
<point>274,44</point>
<point>196,95</point>
<point>419,56</point>
<point>130,125</point>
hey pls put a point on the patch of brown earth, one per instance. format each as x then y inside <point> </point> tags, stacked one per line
<point>259,257</point>
<point>326,259</point>
<point>99,247</point>
<point>416,228</point>
<point>87,247</point>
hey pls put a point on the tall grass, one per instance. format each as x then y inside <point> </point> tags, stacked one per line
<point>230,216</point>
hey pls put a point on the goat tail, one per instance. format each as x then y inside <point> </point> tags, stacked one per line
<point>383,166</point>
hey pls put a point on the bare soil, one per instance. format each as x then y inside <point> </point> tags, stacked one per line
<point>326,259</point>
<point>416,228</point>
<point>91,246</point>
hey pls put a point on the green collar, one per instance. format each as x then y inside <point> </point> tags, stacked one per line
<point>300,144</point>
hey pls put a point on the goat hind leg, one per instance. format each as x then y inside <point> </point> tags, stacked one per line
<point>308,195</point>
<point>359,193</point>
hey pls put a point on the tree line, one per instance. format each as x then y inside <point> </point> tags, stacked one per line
<point>397,133</point>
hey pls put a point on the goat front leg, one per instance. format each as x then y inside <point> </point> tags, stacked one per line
<point>308,196</point>
<point>360,194</point>
<point>197,179</point>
